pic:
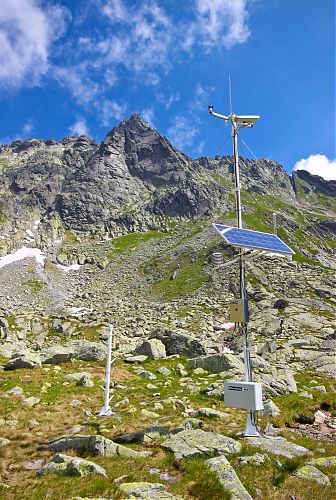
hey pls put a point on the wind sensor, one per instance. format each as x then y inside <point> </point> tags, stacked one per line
<point>250,243</point>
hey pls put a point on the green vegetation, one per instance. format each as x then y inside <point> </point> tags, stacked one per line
<point>182,277</point>
<point>35,284</point>
<point>190,478</point>
<point>131,241</point>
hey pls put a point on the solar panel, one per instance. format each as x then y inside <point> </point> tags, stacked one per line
<point>256,240</point>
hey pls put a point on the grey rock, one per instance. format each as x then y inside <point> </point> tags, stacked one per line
<point>179,343</point>
<point>328,345</point>
<point>63,465</point>
<point>257,459</point>
<point>77,376</point>
<point>85,381</point>
<point>136,359</point>
<point>323,461</point>
<point>16,391</point>
<point>271,409</point>
<point>217,363</point>
<point>146,374</point>
<point>196,442</point>
<point>57,354</point>
<point>192,423</point>
<point>4,442</point>
<point>34,465</point>
<point>146,490</point>
<point>228,478</point>
<point>311,473</point>
<point>149,414</point>
<point>152,348</point>
<point>320,388</point>
<point>163,370</point>
<point>210,412</point>
<point>278,446</point>
<point>25,359</point>
<point>94,445</point>
<point>143,436</point>
<point>88,351</point>
<point>30,402</point>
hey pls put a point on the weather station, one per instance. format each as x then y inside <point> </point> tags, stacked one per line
<point>249,244</point>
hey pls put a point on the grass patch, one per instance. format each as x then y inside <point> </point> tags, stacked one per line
<point>130,242</point>
<point>35,285</point>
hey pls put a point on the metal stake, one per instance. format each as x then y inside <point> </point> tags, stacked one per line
<point>106,409</point>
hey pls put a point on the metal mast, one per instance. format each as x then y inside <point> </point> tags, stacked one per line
<point>237,123</point>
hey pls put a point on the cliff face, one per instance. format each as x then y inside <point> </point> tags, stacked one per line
<point>135,179</point>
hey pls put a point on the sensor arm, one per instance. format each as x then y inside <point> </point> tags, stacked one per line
<point>217,115</point>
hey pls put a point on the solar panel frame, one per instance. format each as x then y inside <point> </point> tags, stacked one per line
<point>276,245</point>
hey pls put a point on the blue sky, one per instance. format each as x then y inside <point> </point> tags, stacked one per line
<point>81,66</point>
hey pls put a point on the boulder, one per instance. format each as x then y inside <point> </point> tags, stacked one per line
<point>93,445</point>
<point>228,478</point>
<point>310,473</point>
<point>271,409</point>
<point>278,446</point>
<point>217,363</point>
<point>85,381</point>
<point>323,461</point>
<point>257,459</point>
<point>26,359</point>
<point>281,304</point>
<point>146,490</point>
<point>163,370</point>
<point>136,359</point>
<point>57,354</point>
<point>179,343</point>
<point>30,402</point>
<point>210,412</point>
<point>195,442</point>
<point>144,436</point>
<point>328,345</point>
<point>88,351</point>
<point>63,465</point>
<point>77,376</point>
<point>152,348</point>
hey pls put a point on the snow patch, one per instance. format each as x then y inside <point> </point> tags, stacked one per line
<point>23,253</point>
<point>30,233</point>
<point>227,326</point>
<point>226,350</point>
<point>79,311</point>
<point>73,267</point>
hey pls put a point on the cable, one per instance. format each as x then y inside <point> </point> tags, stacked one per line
<point>249,149</point>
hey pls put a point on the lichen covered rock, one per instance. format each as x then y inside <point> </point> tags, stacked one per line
<point>63,465</point>
<point>228,478</point>
<point>310,473</point>
<point>94,445</point>
<point>195,442</point>
<point>146,490</point>
<point>278,446</point>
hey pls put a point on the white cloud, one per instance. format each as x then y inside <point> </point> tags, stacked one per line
<point>182,132</point>
<point>221,22</point>
<point>26,34</point>
<point>148,115</point>
<point>77,81</point>
<point>167,101</point>
<point>28,127</point>
<point>318,165</point>
<point>142,36</point>
<point>109,110</point>
<point>79,127</point>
